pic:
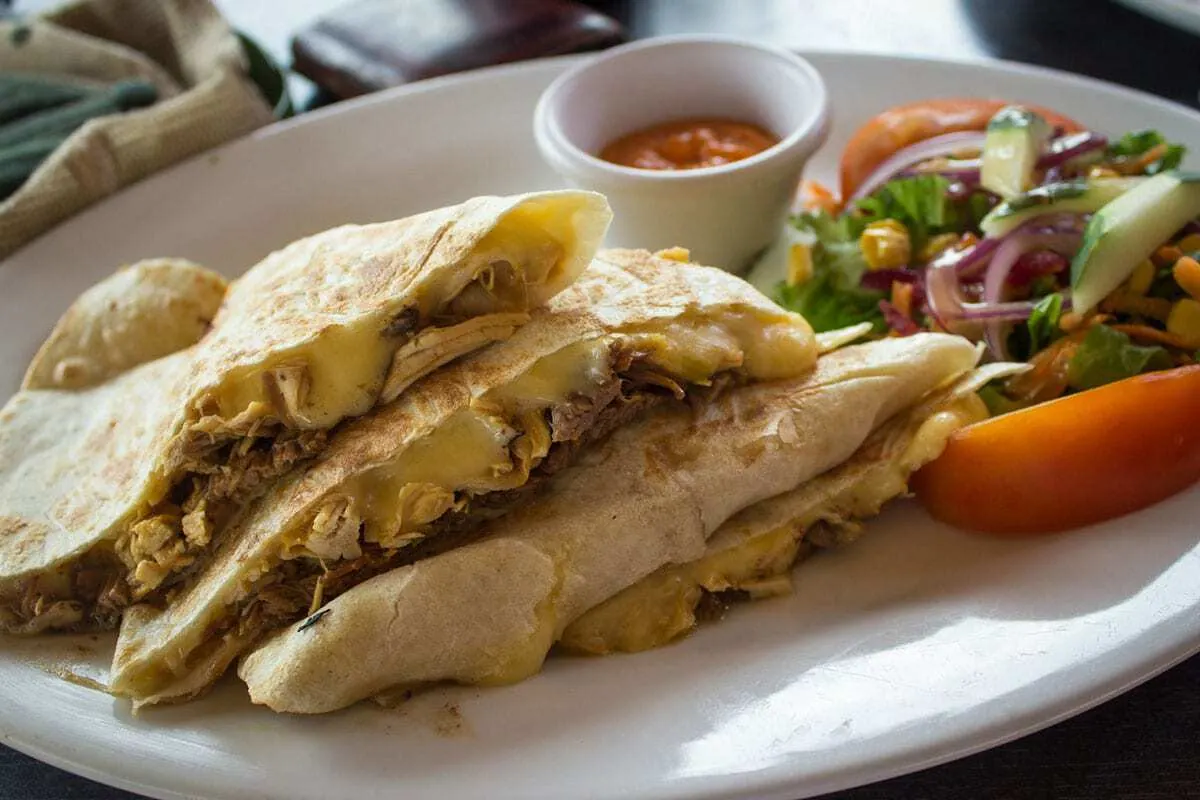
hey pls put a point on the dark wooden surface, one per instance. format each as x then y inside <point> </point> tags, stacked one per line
<point>1144,745</point>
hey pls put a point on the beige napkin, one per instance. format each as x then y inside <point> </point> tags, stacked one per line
<point>184,47</point>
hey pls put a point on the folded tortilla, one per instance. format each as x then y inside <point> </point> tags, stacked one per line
<point>463,446</point>
<point>112,492</point>
<point>144,311</point>
<point>752,554</point>
<point>488,612</point>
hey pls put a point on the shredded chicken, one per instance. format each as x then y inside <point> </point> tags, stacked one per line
<point>226,473</point>
<point>288,387</point>
<point>336,556</point>
<point>335,531</point>
<point>87,596</point>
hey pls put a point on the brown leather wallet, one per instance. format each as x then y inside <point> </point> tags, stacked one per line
<point>373,44</point>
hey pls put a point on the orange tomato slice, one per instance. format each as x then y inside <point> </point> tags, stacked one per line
<point>1070,462</point>
<point>901,126</point>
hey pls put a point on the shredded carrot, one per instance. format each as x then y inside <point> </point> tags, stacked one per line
<point>1048,377</point>
<point>814,196</point>
<point>1134,165</point>
<point>902,294</point>
<point>1145,333</point>
<point>1129,303</point>
<point>1150,156</point>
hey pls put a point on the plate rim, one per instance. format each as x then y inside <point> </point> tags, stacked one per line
<point>774,781</point>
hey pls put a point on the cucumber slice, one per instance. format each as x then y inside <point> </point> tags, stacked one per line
<point>1126,231</point>
<point>1015,139</point>
<point>1080,197</point>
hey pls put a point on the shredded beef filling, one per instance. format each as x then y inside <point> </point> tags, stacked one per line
<point>222,477</point>
<point>87,595</point>
<point>298,586</point>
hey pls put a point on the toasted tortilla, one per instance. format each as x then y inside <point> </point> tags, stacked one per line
<point>112,492</point>
<point>144,311</point>
<point>460,447</point>
<point>488,612</point>
<point>752,554</point>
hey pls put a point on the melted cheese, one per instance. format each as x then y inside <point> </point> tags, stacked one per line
<point>490,445</point>
<point>763,345</point>
<point>493,444</point>
<point>347,364</point>
<point>470,450</point>
<point>661,607</point>
<point>575,369</point>
<point>536,239</point>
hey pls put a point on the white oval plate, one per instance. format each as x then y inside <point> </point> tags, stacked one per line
<point>1182,15</point>
<point>917,645</point>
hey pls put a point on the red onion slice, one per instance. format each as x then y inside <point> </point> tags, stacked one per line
<point>1034,234</point>
<point>914,154</point>
<point>1065,148</point>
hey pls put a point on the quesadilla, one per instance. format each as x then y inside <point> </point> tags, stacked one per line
<point>461,447</point>
<point>751,556</point>
<point>142,312</point>
<point>489,612</point>
<point>115,492</point>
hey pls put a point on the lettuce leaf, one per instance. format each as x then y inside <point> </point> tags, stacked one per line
<point>1135,143</point>
<point>1043,322</point>
<point>923,204</point>
<point>828,308</point>
<point>1106,355</point>
<point>836,249</point>
<point>832,298</point>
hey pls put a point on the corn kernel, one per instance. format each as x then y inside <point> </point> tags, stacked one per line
<point>1187,274</point>
<point>936,246</point>
<point>885,245</point>
<point>1184,322</point>
<point>1189,243</point>
<point>1143,275</point>
<point>800,264</point>
<point>680,254</point>
<point>1102,172</point>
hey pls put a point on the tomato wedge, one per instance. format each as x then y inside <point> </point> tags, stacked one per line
<point>901,126</point>
<point>1073,461</point>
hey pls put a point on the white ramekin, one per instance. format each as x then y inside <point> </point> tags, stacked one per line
<point>724,215</point>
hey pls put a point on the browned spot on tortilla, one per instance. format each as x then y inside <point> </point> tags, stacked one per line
<point>750,452</point>
<point>11,526</point>
<point>668,454</point>
<point>31,532</point>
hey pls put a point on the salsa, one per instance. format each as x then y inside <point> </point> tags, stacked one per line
<point>689,144</point>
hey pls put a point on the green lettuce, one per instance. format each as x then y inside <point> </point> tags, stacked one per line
<point>828,308</point>
<point>832,298</point>
<point>1106,355</point>
<point>1043,322</point>
<point>1135,143</point>
<point>923,205</point>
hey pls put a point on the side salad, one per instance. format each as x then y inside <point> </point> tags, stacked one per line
<point>1053,245</point>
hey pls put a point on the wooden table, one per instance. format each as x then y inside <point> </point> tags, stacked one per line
<point>1144,745</point>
